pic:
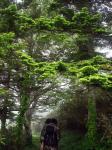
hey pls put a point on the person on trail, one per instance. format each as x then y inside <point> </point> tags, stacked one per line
<point>50,134</point>
<point>43,133</point>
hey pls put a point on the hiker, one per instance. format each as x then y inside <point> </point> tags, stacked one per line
<point>43,133</point>
<point>50,134</point>
<point>58,135</point>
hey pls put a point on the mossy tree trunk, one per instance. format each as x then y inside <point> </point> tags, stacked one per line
<point>27,126</point>
<point>91,122</point>
<point>24,99</point>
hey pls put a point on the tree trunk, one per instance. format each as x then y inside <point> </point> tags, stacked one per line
<point>3,125</point>
<point>27,125</point>
<point>3,120</point>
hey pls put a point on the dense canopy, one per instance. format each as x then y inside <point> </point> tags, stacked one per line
<point>51,57</point>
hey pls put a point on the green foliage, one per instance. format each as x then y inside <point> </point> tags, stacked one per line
<point>2,139</point>
<point>42,70</point>
<point>61,23</point>
<point>88,70</point>
<point>10,138</point>
<point>26,59</point>
<point>98,80</point>
<point>43,23</point>
<point>69,140</point>
<point>80,22</point>
<point>67,13</point>
<point>35,145</point>
<point>8,19</point>
<point>45,70</point>
<point>99,60</point>
<point>5,43</point>
<point>10,10</point>
<point>86,22</point>
<point>54,5</point>
<point>73,71</point>
<point>24,68</point>
<point>61,67</point>
<point>4,3</point>
<point>92,72</point>
<point>106,66</point>
<point>25,22</point>
<point>3,92</point>
<point>57,23</point>
<point>6,37</point>
<point>82,39</point>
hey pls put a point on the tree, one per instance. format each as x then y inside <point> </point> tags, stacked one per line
<point>37,45</point>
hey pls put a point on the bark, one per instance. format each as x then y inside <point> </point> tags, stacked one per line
<point>3,125</point>
<point>27,126</point>
<point>3,116</point>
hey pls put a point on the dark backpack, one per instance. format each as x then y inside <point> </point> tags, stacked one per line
<point>50,137</point>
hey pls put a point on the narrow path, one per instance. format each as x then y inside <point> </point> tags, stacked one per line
<point>69,141</point>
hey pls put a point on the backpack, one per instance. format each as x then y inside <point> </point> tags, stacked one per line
<point>50,136</point>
